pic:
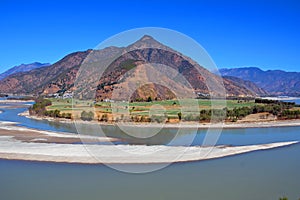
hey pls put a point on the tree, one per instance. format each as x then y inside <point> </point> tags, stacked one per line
<point>179,116</point>
<point>149,99</point>
<point>56,113</point>
<point>39,108</point>
<point>104,118</point>
<point>87,116</point>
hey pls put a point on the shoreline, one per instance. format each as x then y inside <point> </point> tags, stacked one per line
<point>21,143</point>
<point>23,134</point>
<point>281,98</point>
<point>14,148</point>
<point>192,125</point>
<point>16,101</point>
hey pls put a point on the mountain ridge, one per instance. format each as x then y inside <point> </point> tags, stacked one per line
<point>247,84</point>
<point>275,82</point>
<point>61,76</point>
<point>22,68</point>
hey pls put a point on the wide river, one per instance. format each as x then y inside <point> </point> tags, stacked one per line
<point>263,175</point>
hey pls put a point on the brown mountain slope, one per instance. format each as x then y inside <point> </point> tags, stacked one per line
<point>37,80</point>
<point>133,67</point>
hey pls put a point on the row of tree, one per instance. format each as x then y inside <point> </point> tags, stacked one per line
<point>270,101</point>
<point>39,109</point>
<point>281,110</point>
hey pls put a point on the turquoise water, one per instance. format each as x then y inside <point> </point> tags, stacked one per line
<point>257,175</point>
<point>12,116</point>
<point>297,101</point>
<point>264,175</point>
<point>243,136</point>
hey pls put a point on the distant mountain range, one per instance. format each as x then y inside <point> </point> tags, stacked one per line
<point>247,84</point>
<point>274,82</point>
<point>60,76</point>
<point>23,68</point>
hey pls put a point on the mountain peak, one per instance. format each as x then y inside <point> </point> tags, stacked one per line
<point>146,41</point>
<point>146,37</point>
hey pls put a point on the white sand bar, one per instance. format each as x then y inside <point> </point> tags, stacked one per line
<point>119,154</point>
<point>11,126</point>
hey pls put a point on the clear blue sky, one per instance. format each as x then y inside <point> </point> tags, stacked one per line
<point>261,33</point>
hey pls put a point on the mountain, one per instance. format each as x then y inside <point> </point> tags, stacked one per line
<point>23,68</point>
<point>37,80</point>
<point>138,69</point>
<point>275,82</point>
<point>247,84</point>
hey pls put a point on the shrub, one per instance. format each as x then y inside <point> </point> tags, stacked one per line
<point>191,117</point>
<point>39,108</point>
<point>158,118</point>
<point>104,118</point>
<point>87,116</point>
<point>179,115</point>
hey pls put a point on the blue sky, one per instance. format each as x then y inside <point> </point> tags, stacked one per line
<point>265,34</point>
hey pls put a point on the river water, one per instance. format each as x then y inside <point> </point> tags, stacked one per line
<point>263,175</point>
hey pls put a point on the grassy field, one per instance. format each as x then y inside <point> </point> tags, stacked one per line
<point>170,108</point>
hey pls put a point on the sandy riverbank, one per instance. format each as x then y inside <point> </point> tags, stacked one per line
<point>242,124</point>
<point>16,101</point>
<point>118,154</point>
<point>23,134</point>
<point>281,98</point>
<point>35,145</point>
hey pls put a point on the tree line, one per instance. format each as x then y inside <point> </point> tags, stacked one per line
<point>282,110</point>
<point>39,109</point>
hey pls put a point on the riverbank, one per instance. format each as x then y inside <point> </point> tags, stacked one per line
<point>227,125</point>
<point>281,98</point>
<point>18,143</point>
<point>23,134</point>
<point>16,101</point>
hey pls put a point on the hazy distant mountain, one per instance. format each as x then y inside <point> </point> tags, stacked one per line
<point>23,68</point>
<point>275,82</point>
<point>60,76</point>
<point>247,84</point>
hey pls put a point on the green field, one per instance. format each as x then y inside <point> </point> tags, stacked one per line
<point>171,107</point>
<point>167,110</point>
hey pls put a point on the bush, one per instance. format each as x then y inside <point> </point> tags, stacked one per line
<point>158,118</point>
<point>191,117</point>
<point>179,116</point>
<point>149,99</point>
<point>52,113</point>
<point>39,108</point>
<point>104,118</point>
<point>68,115</point>
<point>87,116</point>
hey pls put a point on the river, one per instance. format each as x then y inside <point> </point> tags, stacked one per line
<point>263,175</point>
